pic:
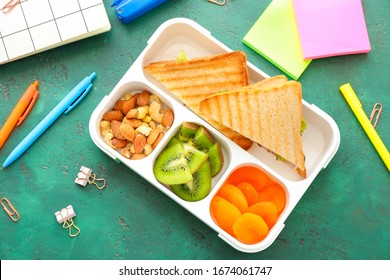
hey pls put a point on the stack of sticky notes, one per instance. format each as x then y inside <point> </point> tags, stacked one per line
<point>290,33</point>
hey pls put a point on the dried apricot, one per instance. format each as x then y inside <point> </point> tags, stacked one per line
<point>249,174</point>
<point>250,228</point>
<point>265,209</point>
<point>234,195</point>
<point>249,192</point>
<point>224,213</point>
<point>275,194</point>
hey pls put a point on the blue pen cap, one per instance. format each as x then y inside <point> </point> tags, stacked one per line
<point>129,10</point>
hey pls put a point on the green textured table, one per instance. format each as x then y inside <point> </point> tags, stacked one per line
<point>345,214</point>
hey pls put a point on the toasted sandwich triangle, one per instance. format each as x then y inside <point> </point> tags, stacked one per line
<point>269,116</point>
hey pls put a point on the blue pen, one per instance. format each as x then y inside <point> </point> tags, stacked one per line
<point>68,103</point>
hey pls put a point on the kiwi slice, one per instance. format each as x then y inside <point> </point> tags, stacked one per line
<point>187,130</point>
<point>195,158</point>
<point>202,140</point>
<point>171,166</point>
<point>198,188</point>
<point>174,140</point>
<point>215,158</point>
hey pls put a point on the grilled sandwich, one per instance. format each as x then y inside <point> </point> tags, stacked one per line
<point>270,116</point>
<point>195,79</point>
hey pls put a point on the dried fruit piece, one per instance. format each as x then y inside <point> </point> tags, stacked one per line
<point>250,174</point>
<point>234,195</point>
<point>267,210</point>
<point>224,213</point>
<point>275,194</point>
<point>250,228</point>
<point>249,192</point>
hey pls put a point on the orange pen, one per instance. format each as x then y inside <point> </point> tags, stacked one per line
<point>20,112</point>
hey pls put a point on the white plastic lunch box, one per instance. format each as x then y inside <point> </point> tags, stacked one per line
<point>320,140</point>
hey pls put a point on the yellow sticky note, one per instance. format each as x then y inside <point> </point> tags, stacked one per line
<point>275,36</point>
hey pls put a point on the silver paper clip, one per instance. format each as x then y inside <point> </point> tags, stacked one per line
<point>86,176</point>
<point>376,111</point>
<point>218,2</point>
<point>64,217</point>
<point>10,209</point>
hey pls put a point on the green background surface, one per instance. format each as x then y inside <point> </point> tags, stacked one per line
<point>345,213</point>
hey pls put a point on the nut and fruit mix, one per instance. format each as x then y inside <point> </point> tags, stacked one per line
<point>136,124</point>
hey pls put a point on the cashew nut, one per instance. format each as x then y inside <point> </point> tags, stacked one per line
<point>154,111</point>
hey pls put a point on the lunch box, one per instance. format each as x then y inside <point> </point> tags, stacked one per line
<point>321,138</point>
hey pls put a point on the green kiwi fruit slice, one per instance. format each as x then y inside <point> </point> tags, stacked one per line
<point>202,140</point>
<point>171,166</point>
<point>174,140</point>
<point>198,188</point>
<point>215,158</point>
<point>187,130</point>
<point>195,158</point>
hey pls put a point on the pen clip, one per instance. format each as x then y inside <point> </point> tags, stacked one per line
<point>30,106</point>
<point>77,101</point>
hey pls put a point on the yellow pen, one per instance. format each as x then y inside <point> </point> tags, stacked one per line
<point>357,109</point>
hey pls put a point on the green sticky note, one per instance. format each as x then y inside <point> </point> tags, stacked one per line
<point>275,36</point>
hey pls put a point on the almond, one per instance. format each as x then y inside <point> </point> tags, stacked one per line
<point>119,104</point>
<point>115,129</point>
<point>159,137</point>
<point>128,105</point>
<point>168,118</point>
<point>127,131</point>
<point>139,143</point>
<point>113,115</point>
<point>153,135</point>
<point>118,143</point>
<point>134,122</point>
<point>143,98</point>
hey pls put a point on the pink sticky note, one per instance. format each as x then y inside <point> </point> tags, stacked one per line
<point>331,27</point>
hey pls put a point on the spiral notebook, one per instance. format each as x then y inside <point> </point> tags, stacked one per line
<point>33,26</point>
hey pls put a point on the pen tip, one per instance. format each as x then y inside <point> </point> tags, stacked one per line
<point>92,76</point>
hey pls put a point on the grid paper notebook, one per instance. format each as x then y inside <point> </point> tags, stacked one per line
<point>37,25</point>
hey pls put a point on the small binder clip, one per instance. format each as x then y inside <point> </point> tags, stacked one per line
<point>87,176</point>
<point>64,217</point>
<point>10,209</point>
<point>376,111</point>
